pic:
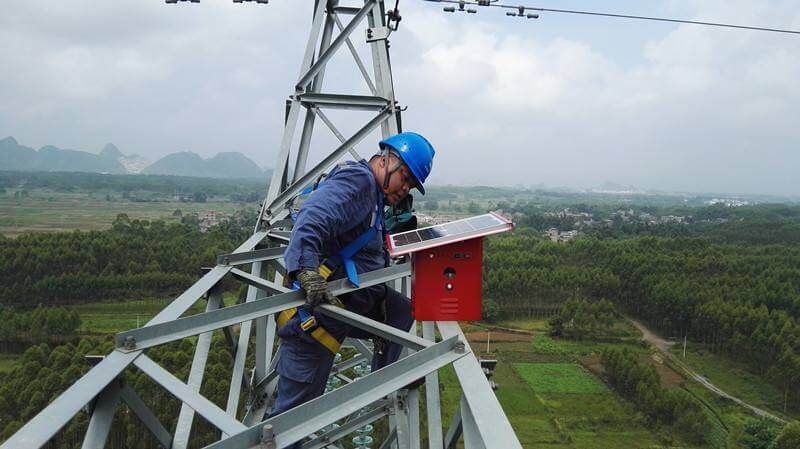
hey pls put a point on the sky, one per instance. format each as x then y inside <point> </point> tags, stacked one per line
<point>561,101</point>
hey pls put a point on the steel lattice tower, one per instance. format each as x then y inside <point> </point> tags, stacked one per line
<point>479,418</point>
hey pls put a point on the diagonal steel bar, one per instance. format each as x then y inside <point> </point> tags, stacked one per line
<point>102,417</point>
<point>375,327</point>
<point>329,160</point>
<point>334,47</point>
<point>335,131</point>
<point>490,421</point>
<point>297,423</point>
<point>43,426</point>
<point>390,440</point>
<point>281,165</point>
<point>347,364</point>
<point>258,282</point>
<point>180,390</point>
<point>360,347</point>
<point>473,435</point>
<point>356,57</point>
<point>182,303</point>
<point>259,255</point>
<point>454,431</point>
<point>378,411</point>
<point>197,324</point>
<point>146,415</point>
<point>183,427</point>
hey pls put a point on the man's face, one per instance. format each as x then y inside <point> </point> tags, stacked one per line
<point>401,181</point>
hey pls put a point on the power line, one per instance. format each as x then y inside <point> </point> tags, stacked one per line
<point>522,10</point>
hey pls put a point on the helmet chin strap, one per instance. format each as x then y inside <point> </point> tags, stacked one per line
<point>386,174</point>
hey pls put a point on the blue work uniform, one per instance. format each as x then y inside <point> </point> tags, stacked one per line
<point>340,210</point>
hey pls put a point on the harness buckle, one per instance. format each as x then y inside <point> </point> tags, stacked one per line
<point>309,324</point>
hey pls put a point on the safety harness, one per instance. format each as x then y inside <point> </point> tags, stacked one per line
<point>344,257</point>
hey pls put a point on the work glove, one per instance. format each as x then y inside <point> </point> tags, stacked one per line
<point>316,289</point>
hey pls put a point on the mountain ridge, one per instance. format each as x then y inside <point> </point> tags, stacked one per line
<point>226,165</point>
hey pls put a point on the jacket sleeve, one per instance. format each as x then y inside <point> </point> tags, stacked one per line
<point>341,202</point>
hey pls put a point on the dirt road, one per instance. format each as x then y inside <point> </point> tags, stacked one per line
<point>664,345</point>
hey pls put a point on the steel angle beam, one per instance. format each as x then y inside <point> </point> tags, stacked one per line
<point>301,421</point>
<point>258,255</point>
<point>454,431</point>
<point>491,423</point>
<point>360,346</point>
<point>182,303</point>
<point>185,393</point>
<point>339,101</point>
<point>432,402</point>
<point>473,436</point>
<point>102,417</point>
<point>180,439</point>
<point>379,410</point>
<point>346,10</point>
<point>390,439</point>
<point>146,415</point>
<point>292,191</point>
<point>347,364</point>
<point>337,42</point>
<point>374,327</point>
<point>276,183</point>
<point>149,336</point>
<point>279,236</point>
<point>357,58</point>
<point>49,421</point>
<point>146,337</point>
<point>258,282</point>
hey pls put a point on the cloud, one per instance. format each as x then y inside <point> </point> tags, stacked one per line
<point>564,100</point>
<point>699,109</point>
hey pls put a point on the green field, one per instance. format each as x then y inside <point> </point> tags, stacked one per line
<point>49,211</point>
<point>559,378</point>
<point>108,318</point>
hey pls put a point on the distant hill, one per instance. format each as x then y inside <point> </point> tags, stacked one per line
<point>223,165</point>
<point>14,156</point>
<point>228,165</point>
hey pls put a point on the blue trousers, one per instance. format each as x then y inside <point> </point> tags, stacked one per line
<point>304,364</point>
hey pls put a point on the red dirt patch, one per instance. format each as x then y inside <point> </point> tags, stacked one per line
<point>594,365</point>
<point>669,378</point>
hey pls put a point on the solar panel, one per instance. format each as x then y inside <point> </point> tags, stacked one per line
<point>454,231</point>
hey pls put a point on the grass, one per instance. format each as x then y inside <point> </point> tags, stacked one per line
<point>49,211</point>
<point>559,378</point>
<point>560,347</point>
<point>736,379</point>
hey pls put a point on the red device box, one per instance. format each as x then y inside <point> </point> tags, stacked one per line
<point>446,281</point>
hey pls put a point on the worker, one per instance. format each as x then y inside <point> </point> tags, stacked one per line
<point>339,232</point>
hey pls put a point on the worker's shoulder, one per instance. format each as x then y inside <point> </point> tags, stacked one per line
<point>352,172</point>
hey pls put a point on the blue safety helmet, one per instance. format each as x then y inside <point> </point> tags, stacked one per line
<point>415,151</point>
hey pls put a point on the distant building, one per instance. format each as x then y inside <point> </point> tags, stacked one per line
<point>210,219</point>
<point>560,237</point>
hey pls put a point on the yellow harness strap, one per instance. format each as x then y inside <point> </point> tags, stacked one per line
<point>319,334</point>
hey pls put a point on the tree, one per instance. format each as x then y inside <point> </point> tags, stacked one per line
<point>199,197</point>
<point>432,205</point>
<point>789,437</point>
